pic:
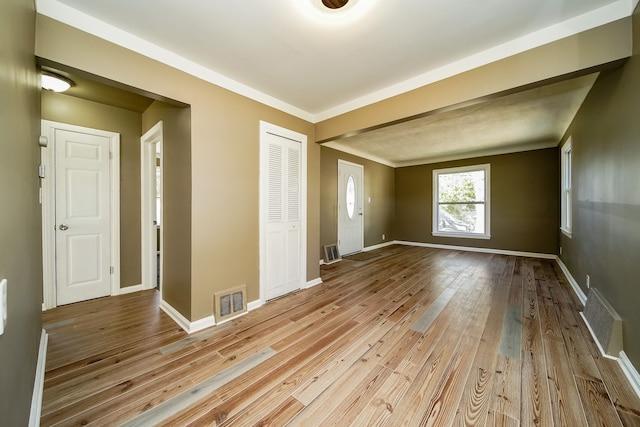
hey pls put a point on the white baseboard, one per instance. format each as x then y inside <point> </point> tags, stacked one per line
<point>312,283</point>
<point>630,372</point>
<point>131,289</point>
<point>456,248</point>
<point>574,285</point>
<point>379,246</point>
<point>188,326</point>
<point>625,364</point>
<point>473,249</point>
<point>595,339</point>
<point>255,304</point>
<point>201,324</point>
<point>38,385</point>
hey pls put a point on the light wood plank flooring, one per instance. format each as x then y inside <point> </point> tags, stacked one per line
<point>413,336</point>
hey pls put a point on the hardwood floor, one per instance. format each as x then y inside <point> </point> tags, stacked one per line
<point>413,336</point>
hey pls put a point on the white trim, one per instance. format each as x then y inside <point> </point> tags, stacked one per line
<point>174,314</point>
<point>595,18</point>
<point>188,326</point>
<point>255,304</point>
<point>630,372</point>
<point>574,285</point>
<point>265,129</point>
<point>473,249</point>
<point>201,324</point>
<point>345,148</point>
<point>603,353</point>
<point>89,24</point>
<point>48,128</point>
<point>566,188</point>
<point>379,246</point>
<point>625,364</point>
<point>462,235</point>
<point>486,168</point>
<point>38,385</point>
<point>311,283</point>
<point>131,289</point>
<point>148,230</point>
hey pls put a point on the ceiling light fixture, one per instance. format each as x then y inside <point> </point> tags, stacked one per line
<point>55,82</point>
<point>334,12</point>
<point>335,4</point>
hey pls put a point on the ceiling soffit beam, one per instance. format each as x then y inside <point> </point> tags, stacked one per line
<point>582,53</point>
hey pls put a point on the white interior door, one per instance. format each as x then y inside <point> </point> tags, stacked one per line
<point>82,216</point>
<point>283,260</point>
<point>350,215</point>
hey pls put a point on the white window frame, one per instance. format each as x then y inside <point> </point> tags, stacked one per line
<point>486,168</point>
<point>566,190</point>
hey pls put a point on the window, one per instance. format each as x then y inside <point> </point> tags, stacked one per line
<point>461,202</point>
<point>566,191</point>
<point>350,195</point>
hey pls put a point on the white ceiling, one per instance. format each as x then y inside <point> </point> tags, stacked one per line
<point>527,120</point>
<point>286,56</point>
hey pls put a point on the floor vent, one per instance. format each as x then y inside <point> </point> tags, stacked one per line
<point>605,324</point>
<point>230,303</point>
<point>331,254</point>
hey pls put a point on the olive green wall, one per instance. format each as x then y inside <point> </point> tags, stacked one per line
<point>524,202</point>
<point>379,185</point>
<point>67,109</point>
<point>606,194</point>
<point>20,229</point>
<point>224,160</point>
<point>176,198</point>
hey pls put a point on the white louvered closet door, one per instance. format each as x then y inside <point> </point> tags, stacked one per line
<point>283,233</point>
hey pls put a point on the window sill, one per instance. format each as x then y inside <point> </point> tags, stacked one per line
<point>462,235</point>
<point>567,233</point>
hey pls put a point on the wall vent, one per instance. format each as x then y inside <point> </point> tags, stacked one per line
<point>604,323</point>
<point>230,302</point>
<point>331,254</point>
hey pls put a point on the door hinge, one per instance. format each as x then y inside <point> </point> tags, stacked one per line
<point>111,269</point>
<point>41,171</point>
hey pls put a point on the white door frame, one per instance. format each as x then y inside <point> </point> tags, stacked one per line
<point>48,191</point>
<point>360,197</point>
<point>148,143</point>
<point>265,129</point>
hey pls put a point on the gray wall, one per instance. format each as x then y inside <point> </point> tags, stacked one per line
<point>524,202</point>
<point>20,230</point>
<point>606,194</point>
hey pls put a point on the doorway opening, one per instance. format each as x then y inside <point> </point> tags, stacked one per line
<point>151,207</point>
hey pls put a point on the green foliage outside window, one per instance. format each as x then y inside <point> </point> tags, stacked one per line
<point>457,188</point>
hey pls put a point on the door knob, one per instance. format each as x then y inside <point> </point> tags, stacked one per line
<point>63,227</point>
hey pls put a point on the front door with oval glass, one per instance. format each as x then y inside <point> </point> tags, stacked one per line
<point>350,214</point>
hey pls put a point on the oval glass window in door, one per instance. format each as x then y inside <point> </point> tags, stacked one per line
<point>351,196</point>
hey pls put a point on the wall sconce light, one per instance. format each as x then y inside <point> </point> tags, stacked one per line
<point>55,82</point>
